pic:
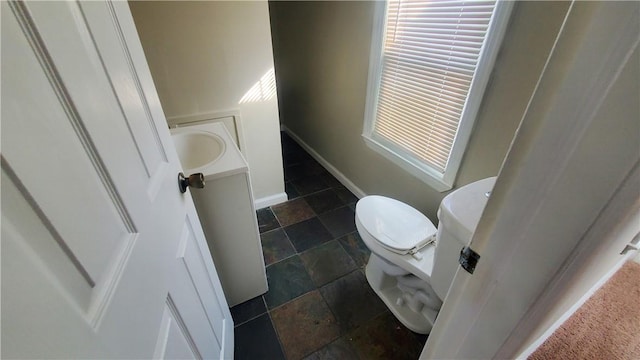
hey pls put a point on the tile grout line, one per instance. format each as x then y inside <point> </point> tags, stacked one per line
<point>316,288</point>
<point>275,329</point>
<point>276,216</point>
<point>304,251</point>
<point>330,309</point>
<point>250,319</point>
<point>281,260</point>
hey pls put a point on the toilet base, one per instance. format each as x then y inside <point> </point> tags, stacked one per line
<point>386,288</point>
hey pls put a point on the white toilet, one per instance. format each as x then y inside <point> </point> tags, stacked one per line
<point>412,263</point>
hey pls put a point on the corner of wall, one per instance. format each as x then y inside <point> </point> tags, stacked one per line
<point>270,200</point>
<point>344,180</point>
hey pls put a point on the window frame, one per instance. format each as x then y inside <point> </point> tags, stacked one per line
<point>407,161</point>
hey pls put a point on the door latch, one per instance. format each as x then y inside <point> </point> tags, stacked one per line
<point>468,259</point>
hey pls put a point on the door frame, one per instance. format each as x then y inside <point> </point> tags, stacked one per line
<point>491,313</point>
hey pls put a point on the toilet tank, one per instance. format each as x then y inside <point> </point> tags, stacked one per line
<point>459,214</point>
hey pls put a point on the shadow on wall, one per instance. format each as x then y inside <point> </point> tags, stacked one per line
<point>263,90</point>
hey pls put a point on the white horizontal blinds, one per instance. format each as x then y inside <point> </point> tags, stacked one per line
<point>431,50</point>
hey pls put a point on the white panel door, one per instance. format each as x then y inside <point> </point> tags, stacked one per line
<point>102,256</point>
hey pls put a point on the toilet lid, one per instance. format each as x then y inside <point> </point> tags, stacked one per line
<point>394,224</point>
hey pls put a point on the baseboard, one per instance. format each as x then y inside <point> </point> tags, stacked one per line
<point>270,200</point>
<point>327,165</point>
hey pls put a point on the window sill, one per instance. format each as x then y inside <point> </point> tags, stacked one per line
<point>426,175</point>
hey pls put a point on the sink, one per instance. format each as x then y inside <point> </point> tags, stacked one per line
<point>208,148</point>
<point>197,149</point>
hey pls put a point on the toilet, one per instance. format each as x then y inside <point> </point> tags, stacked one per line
<point>412,264</point>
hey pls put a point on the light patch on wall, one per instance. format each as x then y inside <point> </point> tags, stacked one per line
<point>263,90</point>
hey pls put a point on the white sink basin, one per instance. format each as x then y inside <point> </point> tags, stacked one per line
<point>198,149</point>
<point>209,149</point>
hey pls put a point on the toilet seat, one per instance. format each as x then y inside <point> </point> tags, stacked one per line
<point>395,225</point>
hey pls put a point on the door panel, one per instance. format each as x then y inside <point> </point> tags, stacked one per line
<point>174,342</point>
<point>205,317</point>
<point>43,136</point>
<point>101,254</point>
<point>127,87</point>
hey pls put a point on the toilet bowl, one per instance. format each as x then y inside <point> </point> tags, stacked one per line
<point>412,263</point>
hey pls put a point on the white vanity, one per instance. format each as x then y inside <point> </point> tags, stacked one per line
<point>225,207</point>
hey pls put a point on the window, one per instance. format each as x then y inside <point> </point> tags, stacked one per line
<point>430,63</point>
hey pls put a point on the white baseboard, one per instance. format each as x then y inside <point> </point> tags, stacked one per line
<point>270,200</point>
<point>330,168</point>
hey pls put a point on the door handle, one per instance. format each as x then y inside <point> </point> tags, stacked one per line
<point>194,180</point>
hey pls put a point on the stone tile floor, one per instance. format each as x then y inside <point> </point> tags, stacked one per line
<point>319,304</point>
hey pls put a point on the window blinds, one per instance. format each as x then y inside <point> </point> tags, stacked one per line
<point>430,54</point>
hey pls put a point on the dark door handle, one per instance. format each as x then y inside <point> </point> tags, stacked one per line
<point>194,180</point>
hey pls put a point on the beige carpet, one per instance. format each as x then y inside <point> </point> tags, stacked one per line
<point>607,326</point>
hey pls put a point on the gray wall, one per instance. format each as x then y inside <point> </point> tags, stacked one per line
<point>321,53</point>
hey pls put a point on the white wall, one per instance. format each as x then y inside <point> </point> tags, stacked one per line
<point>204,58</point>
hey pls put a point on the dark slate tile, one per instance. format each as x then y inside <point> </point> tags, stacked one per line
<point>345,195</point>
<point>308,169</point>
<point>340,349</point>
<point>324,201</point>
<point>257,339</point>
<point>294,172</point>
<point>309,185</point>
<point>354,246</point>
<point>305,325</point>
<point>288,144</point>
<point>276,246</point>
<point>248,310</point>
<point>291,191</point>
<point>327,262</point>
<point>340,221</point>
<point>292,211</point>
<point>352,300</point>
<point>332,181</point>
<point>307,234</point>
<point>295,157</point>
<point>313,168</point>
<point>287,279</point>
<point>386,338</point>
<point>266,220</point>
